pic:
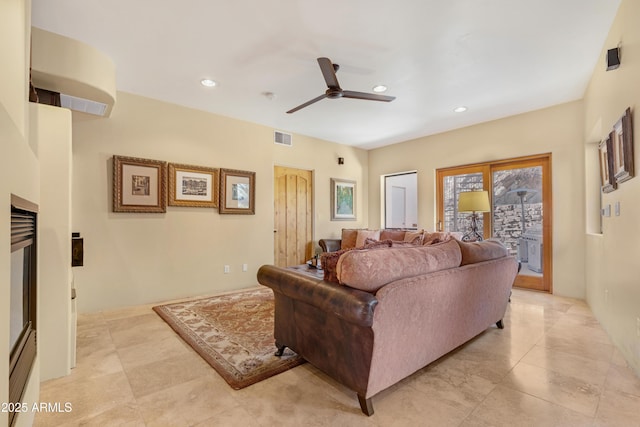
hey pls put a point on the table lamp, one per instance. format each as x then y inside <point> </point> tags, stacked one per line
<point>473,201</point>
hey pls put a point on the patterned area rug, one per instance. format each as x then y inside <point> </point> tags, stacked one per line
<point>233,333</point>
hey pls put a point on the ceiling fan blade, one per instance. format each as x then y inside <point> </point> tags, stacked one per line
<point>328,72</point>
<point>306,104</point>
<point>367,96</point>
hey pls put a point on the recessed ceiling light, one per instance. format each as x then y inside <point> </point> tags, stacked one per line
<point>207,82</point>
<point>380,88</point>
<point>460,109</point>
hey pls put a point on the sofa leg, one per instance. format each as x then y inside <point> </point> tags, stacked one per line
<point>365,405</point>
<point>280,348</point>
<point>500,324</point>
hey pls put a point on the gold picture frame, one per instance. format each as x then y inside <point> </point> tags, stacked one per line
<point>607,180</point>
<point>139,185</point>
<point>193,186</point>
<point>237,192</point>
<point>622,141</point>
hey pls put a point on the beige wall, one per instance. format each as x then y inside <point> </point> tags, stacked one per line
<point>19,172</point>
<point>143,258</point>
<point>613,288</point>
<point>557,130</point>
<point>51,128</point>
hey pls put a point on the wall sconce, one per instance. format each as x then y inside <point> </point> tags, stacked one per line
<point>613,58</point>
<point>341,160</point>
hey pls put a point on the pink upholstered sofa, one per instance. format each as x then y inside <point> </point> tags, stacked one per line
<point>393,311</point>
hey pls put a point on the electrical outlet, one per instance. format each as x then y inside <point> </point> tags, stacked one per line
<point>245,267</point>
<point>227,269</point>
<point>617,208</point>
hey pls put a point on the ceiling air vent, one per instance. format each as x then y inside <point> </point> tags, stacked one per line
<point>282,138</point>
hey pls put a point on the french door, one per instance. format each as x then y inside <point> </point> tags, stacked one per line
<point>520,194</point>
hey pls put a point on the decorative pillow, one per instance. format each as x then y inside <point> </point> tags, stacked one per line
<point>329,261</point>
<point>414,236</point>
<point>349,236</point>
<point>396,235</point>
<point>371,243</point>
<point>436,237</point>
<point>366,234</point>
<point>369,270</point>
<point>485,250</point>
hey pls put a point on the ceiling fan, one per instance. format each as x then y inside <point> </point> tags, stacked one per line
<point>334,91</point>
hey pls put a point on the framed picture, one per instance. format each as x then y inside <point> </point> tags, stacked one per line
<point>193,186</point>
<point>343,200</point>
<point>623,148</point>
<point>139,185</point>
<point>607,180</point>
<point>237,192</point>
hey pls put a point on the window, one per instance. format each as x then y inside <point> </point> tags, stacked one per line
<point>401,200</point>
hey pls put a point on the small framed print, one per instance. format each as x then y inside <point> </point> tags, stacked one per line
<point>343,200</point>
<point>237,192</point>
<point>622,141</point>
<point>607,180</point>
<point>139,185</point>
<point>193,186</point>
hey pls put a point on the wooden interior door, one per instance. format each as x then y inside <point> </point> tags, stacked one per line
<point>293,214</point>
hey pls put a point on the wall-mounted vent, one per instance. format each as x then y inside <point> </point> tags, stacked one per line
<point>83,105</point>
<point>282,138</point>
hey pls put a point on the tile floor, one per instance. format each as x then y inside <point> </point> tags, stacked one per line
<point>553,365</point>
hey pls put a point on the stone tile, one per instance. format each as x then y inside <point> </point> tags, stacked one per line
<point>580,346</point>
<point>166,373</point>
<point>618,409</point>
<point>507,407</point>
<point>88,397</point>
<point>575,394</point>
<point>185,404</point>
<point>153,351</point>
<point>623,379</point>
<point>568,364</point>
<point>138,329</point>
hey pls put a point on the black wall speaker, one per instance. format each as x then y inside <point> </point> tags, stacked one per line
<point>613,58</point>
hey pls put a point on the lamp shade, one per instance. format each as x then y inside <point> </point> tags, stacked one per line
<point>474,201</point>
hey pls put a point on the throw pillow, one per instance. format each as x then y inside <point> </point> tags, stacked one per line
<point>414,236</point>
<point>366,234</point>
<point>372,244</point>
<point>349,236</point>
<point>485,250</point>
<point>329,262</point>
<point>396,235</point>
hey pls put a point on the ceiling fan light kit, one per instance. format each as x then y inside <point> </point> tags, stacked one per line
<point>335,91</point>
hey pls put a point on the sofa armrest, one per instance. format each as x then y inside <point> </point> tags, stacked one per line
<point>346,303</point>
<point>330,245</point>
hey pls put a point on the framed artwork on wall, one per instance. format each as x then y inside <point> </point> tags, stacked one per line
<point>343,200</point>
<point>622,137</point>
<point>139,185</point>
<point>193,186</point>
<point>607,180</point>
<point>237,192</point>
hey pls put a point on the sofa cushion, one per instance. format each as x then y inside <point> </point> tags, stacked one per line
<point>349,236</point>
<point>363,235</point>
<point>396,235</point>
<point>414,236</point>
<point>485,250</point>
<point>370,269</point>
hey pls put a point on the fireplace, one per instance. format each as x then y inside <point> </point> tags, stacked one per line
<point>22,311</point>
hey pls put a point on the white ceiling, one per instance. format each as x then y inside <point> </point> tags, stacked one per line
<point>497,57</point>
